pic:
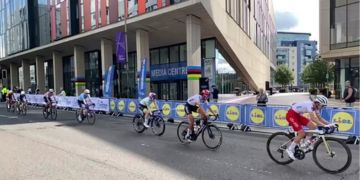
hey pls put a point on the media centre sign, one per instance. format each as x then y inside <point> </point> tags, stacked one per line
<point>161,72</point>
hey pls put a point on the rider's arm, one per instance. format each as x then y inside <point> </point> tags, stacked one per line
<point>315,116</point>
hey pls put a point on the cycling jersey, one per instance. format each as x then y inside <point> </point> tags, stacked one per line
<point>22,98</point>
<point>193,100</point>
<point>303,107</point>
<point>47,97</point>
<point>146,102</point>
<point>10,96</point>
<point>83,97</point>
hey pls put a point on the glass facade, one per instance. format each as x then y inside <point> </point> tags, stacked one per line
<point>93,72</point>
<point>69,75</point>
<point>128,77</point>
<point>346,69</point>
<point>344,24</point>
<point>43,22</point>
<point>49,75</point>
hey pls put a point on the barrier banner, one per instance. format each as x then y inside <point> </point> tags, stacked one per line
<point>121,105</point>
<point>346,119</point>
<point>278,117</point>
<point>179,110</point>
<point>216,108</point>
<point>231,113</point>
<point>166,107</point>
<point>101,104</point>
<point>256,115</point>
<point>132,106</point>
<point>61,101</point>
<point>113,103</point>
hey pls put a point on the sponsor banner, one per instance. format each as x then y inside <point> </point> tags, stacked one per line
<point>346,119</point>
<point>121,105</point>
<point>121,47</point>
<point>180,110</point>
<point>231,113</point>
<point>167,108</point>
<point>132,106</point>
<point>142,80</point>
<point>112,105</point>
<point>101,104</point>
<point>256,115</point>
<point>278,117</point>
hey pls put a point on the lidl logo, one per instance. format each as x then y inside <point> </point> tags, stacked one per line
<point>132,106</point>
<point>152,106</point>
<point>345,121</point>
<point>180,110</point>
<point>257,116</point>
<point>280,118</point>
<point>215,109</point>
<point>112,105</point>
<point>121,105</point>
<point>166,109</point>
<point>232,113</point>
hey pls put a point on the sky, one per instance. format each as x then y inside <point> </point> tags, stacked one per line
<point>298,16</point>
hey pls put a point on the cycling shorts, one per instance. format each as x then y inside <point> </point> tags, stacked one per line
<point>296,120</point>
<point>190,108</point>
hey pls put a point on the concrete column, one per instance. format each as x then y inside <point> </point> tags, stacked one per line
<point>14,75</point>
<point>26,74</point>
<point>40,73</point>
<point>106,58</point>
<point>142,51</point>
<point>79,65</point>
<point>58,72</point>
<point>193,45</point>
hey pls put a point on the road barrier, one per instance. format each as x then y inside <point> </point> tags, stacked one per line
<point>270,116</point>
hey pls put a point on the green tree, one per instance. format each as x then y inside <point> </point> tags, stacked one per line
<point>318,74</point>
<point>283,75</point>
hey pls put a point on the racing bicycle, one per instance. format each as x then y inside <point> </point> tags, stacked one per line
<point>90,115</point>
<point>156,122</point>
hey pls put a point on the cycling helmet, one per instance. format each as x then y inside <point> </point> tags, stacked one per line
<point>152,95</point>
<point>10,91</point>
<point>321,99</point>
<point>51,90</point>
<point>22,93</point>
<point>205,93</point>
<point>86,91</point>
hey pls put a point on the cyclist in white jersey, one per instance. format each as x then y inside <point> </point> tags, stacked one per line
<point>193,105</point>
<point>145,107</point>
<point>295,117</point>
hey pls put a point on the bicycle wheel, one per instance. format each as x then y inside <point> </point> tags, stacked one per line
<point>335,161</point>
<point>13,108</point>
<point>45,113</point>
<point>276,147</point>
<point>53,112</point>
<point>19,109</point>
<point>77,113</point>
<point>138,123</point>
<point>212,136</point>
<point>158,125</point>
<point>24,109</point>
<point>91,118</point>
<point>182,131</point>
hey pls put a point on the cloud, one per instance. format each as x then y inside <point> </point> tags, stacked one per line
<point>285,20</point>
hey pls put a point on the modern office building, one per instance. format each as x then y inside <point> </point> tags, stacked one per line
<point>295,50</point>
<point>340,40</point>
<point>71,43</point>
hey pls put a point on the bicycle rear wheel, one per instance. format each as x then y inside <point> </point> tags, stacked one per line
<point>91,118</point>
<point>158,125</point>
<point>138,123</point>
<point>45,113</point>
<point>336,160</point>
<point>77,114</point>
<point>53,113</point>
<point>276,147</point>
<point>24,109</point>
<point>212,136</point>
<point>182,131</point>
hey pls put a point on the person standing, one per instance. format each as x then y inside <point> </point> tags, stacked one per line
<point>215,93</point>
<point>261,98</point>
<point>349,94</point>
<point>62,92</point>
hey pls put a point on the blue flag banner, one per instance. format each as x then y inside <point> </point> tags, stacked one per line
<point>109,81</point>
<point>121,48</point>
<point>142,81</point>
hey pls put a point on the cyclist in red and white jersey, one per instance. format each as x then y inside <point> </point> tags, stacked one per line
<point>295,117</point>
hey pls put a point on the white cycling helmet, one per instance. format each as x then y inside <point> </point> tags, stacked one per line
<point>10,91</point>
<point>152,95</point>
<point>86,91</point>
<point>51,90</point>
<point>22,93</point>
<point>321,99</point>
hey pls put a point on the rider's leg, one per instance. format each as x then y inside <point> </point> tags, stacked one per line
<point>202,112</point>
<point>147,116</point>
<point>190,129</point>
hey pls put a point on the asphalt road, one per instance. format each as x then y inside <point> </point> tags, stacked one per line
<point>33,148</point>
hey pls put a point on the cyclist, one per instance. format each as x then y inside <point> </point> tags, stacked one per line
<point>296,120</point>
<point>84,102</point>
<point>193,105</point>
<point>48,98</point>
<point>22,98</point>
<point>145,107</point>
<point>10,98</point>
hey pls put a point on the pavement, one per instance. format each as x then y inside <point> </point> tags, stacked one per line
<point>34,148</point>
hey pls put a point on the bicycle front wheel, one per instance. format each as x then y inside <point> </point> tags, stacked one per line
<point>158,126</point>
<point>332,156</point>
<point>24,109</point>
<point>91,118</point>
<point>182,131</point>
<point>212,137</point>
<point>276,147</point>
<point>53,113</point>
<point>45,113</point>
<point>138,123</point>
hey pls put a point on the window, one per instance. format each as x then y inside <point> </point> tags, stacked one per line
<point>183,53</point>
<point>164,56</point>
<point>154,56</point>
<point>353,23</point>
<point>174,54</point>
<point>93,14</point>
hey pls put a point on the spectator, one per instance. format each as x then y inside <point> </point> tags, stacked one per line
<point>62,92</point>
<point>29,91</point>
<point>37,91</point>
<point>4,91</point>
<point>261,98</point>
<point>349,94</point>
<point>215,93</point>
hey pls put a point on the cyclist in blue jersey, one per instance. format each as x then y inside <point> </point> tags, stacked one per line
<point>84,101</point>
<point>145,107</point>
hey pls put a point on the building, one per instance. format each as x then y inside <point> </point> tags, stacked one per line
<point>71,43</point>
<point>295,50</point>
<point>339,40</point>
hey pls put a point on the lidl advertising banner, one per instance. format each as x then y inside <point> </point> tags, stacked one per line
<point>231,112</point>
<point>346,119</point>
<point>256,115</point>
<point>132,106</point>
<point>180,110</point>
<point>113,103</point>
<point>278,117</point>
<point>121,105</point>
<point>167,108</point>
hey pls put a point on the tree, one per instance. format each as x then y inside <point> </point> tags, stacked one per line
<point>318,73</point>
<point>283,75</point>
